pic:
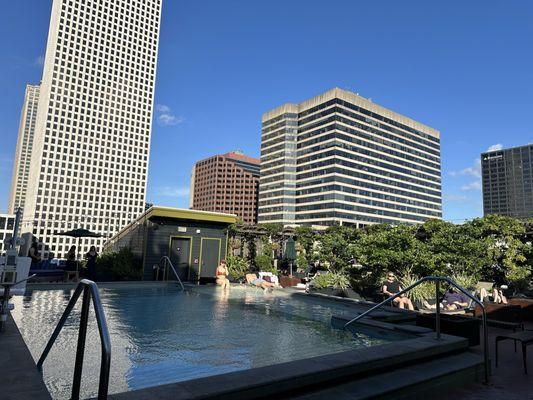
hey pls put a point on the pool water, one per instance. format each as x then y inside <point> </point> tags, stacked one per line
<point>160,334</point>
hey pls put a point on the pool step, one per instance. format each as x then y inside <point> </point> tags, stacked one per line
<point>410,382</point>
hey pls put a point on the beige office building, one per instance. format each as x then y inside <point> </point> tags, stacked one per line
<point>92,137</point>
<point>21,166</point>
<point>339,158</point>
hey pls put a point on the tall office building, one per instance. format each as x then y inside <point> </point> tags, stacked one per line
<point>507,178</point>
<point>338,158</point>
<point>21,166</point>
<point>7,225</point>
<point>227,183</point>
<point>92,137</point>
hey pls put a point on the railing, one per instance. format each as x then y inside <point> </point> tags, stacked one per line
<point>165,272</point>
<point>437,280</point>
<point>90,290</point>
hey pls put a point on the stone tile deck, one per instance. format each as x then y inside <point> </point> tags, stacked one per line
<point>508,381</point>
<point>19,378</point>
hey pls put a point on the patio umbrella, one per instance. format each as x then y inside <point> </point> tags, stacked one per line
<point>79,233</point>
<point>290,252</point>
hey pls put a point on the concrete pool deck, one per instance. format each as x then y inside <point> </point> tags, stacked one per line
<point>19,378</point>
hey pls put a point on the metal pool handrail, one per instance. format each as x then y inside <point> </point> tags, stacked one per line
<point>90,290</point>
<point>173,270</point>
<point>437,280</point>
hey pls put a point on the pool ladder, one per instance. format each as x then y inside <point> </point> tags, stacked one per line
<point>438,280</point>
<point>167,263</point>
<point>90,291</point>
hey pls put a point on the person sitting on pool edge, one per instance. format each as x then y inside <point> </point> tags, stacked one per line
<point>252,279</point>
<point>222,275</point>
<point>391,286</point>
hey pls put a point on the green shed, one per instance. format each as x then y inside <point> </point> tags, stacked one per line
<point>195,241</point>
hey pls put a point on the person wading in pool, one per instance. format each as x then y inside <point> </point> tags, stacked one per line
<point>222,275</point>
<point>391,286</point>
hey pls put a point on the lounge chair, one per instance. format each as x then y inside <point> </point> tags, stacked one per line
<point>269,277</point>
<point>432,309</point>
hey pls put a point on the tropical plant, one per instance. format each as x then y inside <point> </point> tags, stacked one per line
<point>334,280</point>
<point>423,292</point>
<point>466,281</point>
<point>237,266</point>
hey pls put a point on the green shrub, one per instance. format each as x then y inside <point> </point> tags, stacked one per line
<point>119,266</point>
<point>264,263</point>
<point>331,280</point>
<point>237,266</point>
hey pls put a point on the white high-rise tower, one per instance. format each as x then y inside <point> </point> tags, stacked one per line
<point>21,166</point>
<point>92,138</point>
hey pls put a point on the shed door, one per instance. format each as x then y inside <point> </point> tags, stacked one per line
<point>180,256</point>
<point>210,257</point>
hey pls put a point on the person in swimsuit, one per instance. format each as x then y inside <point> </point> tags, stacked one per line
<point>252,279</point>
<point>222,275</point>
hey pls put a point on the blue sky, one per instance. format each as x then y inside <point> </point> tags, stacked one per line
<point>463,67</point>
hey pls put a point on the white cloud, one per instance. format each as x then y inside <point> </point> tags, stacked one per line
<point>474,170</point>
<point>165,117</point>
<point>475,185</point>
<point>39,61</point>
<point>459,198</point>
<point>169,119</point>
<point>162,108</point>
<point>495,147</point>
<point>171,191</point>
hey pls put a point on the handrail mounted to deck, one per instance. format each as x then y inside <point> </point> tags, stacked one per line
<point>437,280</point>
<point>90,290</point>
<point>165,274</point>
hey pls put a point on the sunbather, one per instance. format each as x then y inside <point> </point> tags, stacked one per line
<point>391,286</point>
<point>496,295</point>
<point>454,300</point>
<point>252,279</point>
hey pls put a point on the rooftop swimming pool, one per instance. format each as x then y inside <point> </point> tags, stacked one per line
<point>161,335</point>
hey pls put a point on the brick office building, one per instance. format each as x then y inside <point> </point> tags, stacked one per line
<point>226,183</point>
